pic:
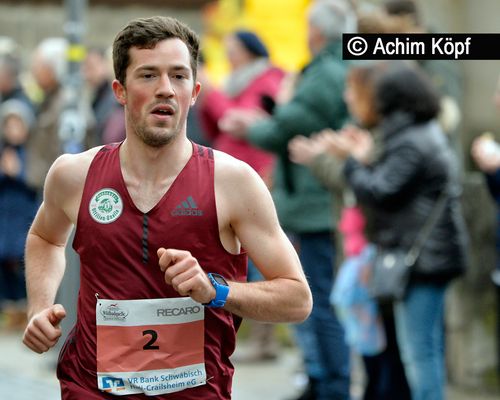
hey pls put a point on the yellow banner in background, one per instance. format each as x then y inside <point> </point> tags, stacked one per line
<point>281,24</point>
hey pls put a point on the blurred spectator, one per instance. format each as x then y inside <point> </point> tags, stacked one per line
<point>385,376</point>
<point>17,208</point>
<point>109,119</point>
<point>10,68</point>
<point>445,74</point>
<point>373,19</point>
<point>49,68</point>
<point>304,207</point>
<point>252,84</point>
<point>194,129</point>
<point>403,16</point>
<point>400,189</point>
<point>8,46</point>
<point>486,153</point>
<point>406,9</point>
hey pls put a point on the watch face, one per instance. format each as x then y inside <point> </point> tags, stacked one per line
<point>219,279</point>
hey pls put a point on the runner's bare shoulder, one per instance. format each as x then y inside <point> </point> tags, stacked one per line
<point>238,187</point>
<point>229,167</point>
<point>68,173</point>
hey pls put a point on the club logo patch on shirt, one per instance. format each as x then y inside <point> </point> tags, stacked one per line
<point>106,206</point>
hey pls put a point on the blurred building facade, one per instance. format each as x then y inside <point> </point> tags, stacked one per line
<point>471,317</point>
<point>472,348</point>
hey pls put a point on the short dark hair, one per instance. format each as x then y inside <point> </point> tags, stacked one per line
<point>145,33</point>
<point>403,8</point>
<point>405,87</point>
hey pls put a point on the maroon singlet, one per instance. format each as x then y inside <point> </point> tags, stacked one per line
<point>119,261</point>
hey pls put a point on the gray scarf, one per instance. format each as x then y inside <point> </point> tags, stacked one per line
<point>239,79</point>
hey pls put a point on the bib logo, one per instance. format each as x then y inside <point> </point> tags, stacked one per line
<point>110,384</point>
<point>106,206</point>
<point>113,312</point>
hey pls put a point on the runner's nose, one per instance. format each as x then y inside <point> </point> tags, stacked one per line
<point>164,88</point>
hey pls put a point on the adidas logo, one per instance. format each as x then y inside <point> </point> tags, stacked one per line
<point>187,208</point>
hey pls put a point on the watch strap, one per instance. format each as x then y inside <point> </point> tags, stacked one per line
<point>221,291</point>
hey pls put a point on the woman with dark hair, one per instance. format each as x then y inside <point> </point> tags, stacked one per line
<point>401,88</point>
<point>401,188</point>
<point>385,376</point>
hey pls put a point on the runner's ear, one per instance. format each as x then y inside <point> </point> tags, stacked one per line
<point>119,91</point>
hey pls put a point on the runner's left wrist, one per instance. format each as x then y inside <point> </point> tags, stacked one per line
<point>221,291</point>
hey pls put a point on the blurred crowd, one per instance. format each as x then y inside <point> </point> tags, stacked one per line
<point>356,156</point>
<point>32,100</point>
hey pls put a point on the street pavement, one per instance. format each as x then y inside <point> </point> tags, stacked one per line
<point>28,376</point>
<point>25,375</point>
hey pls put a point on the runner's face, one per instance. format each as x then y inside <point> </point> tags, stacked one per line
<point>158,92</point>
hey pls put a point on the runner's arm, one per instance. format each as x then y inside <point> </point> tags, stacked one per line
<point>284,295</point>
<point>45,259</point>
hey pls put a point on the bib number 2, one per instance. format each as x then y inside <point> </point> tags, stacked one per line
<point>154,337</point>
<point>150,346</point>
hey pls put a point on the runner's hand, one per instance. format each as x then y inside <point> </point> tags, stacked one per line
<point>43,331</point>
<point>185,275</point>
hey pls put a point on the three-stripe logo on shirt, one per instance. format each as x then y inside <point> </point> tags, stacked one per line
<point>187,208</point>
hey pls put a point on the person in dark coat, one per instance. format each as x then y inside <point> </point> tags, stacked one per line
<point>303,205</point>
<point>401,189</point>
<point>385,376</point>
<point>18,204</point>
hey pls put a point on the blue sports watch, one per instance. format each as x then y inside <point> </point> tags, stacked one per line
<point>221,290</point>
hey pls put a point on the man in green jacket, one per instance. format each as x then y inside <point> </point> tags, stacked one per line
<point>304,206</point>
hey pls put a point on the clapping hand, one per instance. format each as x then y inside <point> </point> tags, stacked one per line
<point>237,121</point>
<point>486,153</point>
<point>303,150</point>
<point>357,142</point>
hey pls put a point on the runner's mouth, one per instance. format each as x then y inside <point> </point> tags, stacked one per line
<point>163,110</point>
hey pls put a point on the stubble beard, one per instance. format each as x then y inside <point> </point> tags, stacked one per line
<point>157,136</point>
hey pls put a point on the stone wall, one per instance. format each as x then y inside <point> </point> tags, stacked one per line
<point>480,76</point>
<point>28,24</point>
<point>471,308</point>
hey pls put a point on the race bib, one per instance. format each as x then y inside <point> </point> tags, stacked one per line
<point>151,346</point>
